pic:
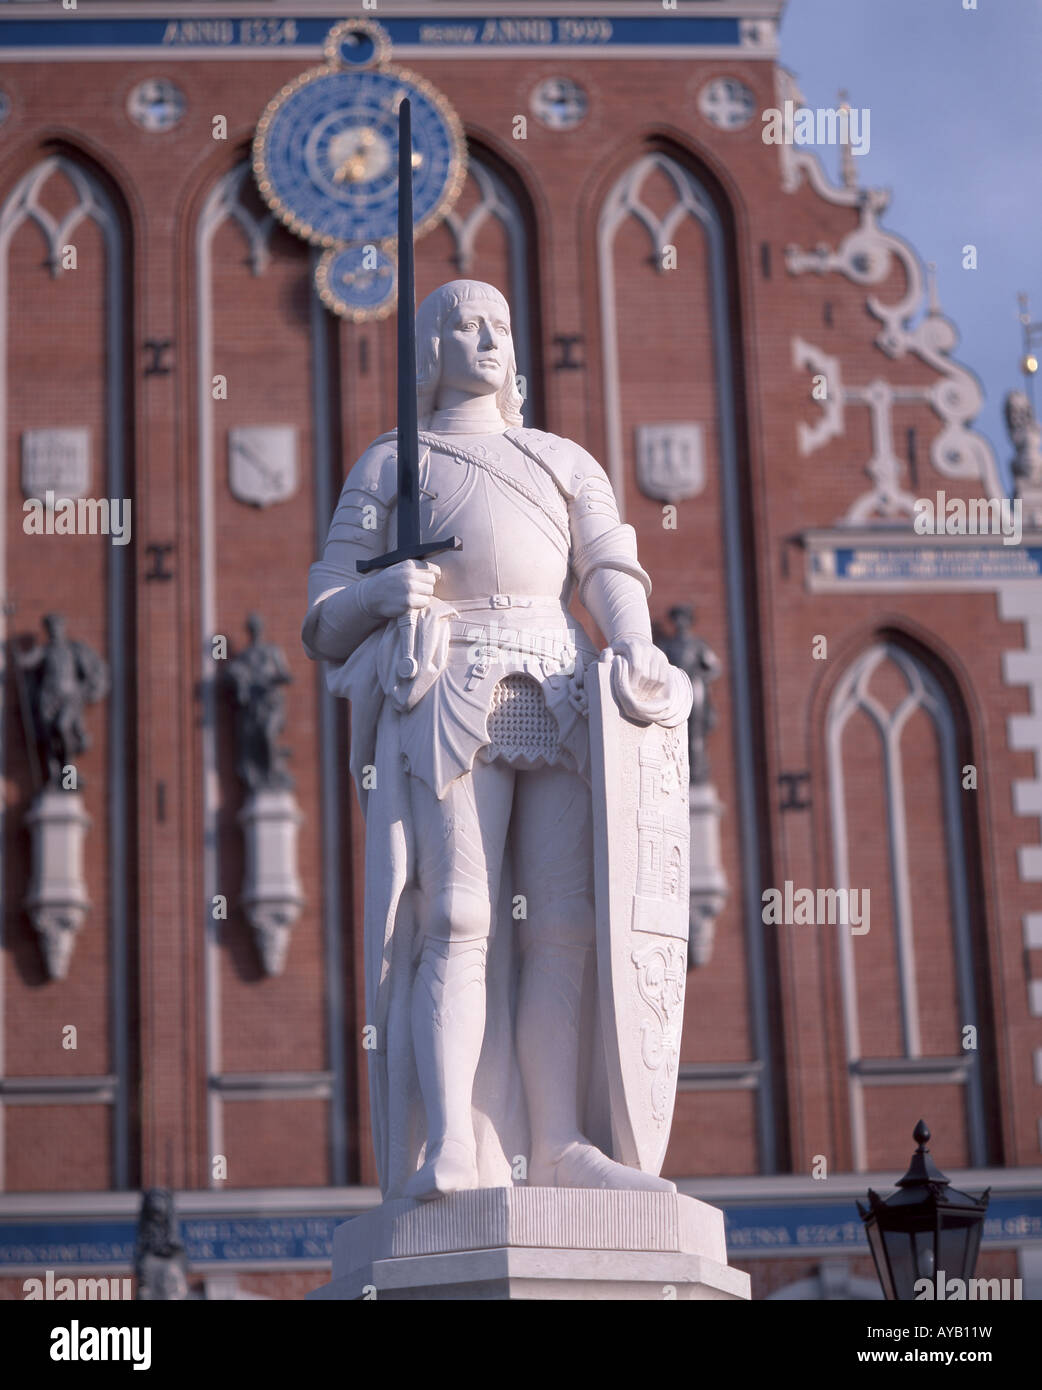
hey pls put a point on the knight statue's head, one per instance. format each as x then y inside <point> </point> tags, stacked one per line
<point>464,348</point>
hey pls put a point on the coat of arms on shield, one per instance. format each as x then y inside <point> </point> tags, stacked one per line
<point>262,463</point>
<point>670,461</point>
<point>641,867</point>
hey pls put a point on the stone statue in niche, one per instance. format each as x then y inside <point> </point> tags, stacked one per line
<point>707,880</point>
<point>56,680</point>
<point>255,678</point>
<point>271,896</point>
<point>695,656</point>
<point>1026,437</point>
<point>64,676</point>
<point>525,796</point>
<point>160,1263</point>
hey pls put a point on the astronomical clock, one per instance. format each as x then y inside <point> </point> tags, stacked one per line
<point>325,156</point>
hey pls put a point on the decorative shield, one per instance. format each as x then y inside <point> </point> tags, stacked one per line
<point>641,849</point>
<point>671,460</point>
<point>262,463</point>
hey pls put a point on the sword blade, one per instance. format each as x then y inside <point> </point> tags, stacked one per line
<point>408,430</point>
<point>409,546</point>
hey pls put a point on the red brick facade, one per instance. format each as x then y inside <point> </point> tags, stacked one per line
<point>183,1015</point>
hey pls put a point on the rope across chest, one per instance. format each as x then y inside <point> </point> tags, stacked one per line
<point>548,502</point>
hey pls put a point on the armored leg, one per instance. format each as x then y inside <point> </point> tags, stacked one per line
<point>459,851</point>
<point>554,873</point>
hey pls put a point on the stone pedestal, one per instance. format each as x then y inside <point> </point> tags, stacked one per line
<point>271,892</point>
<point>708,882</point>
<point>57,901</point>
<point>535,1243</point>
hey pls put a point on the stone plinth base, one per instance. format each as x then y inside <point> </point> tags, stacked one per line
<point>535,1242</point>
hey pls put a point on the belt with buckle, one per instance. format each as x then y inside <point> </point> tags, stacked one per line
<point>493,601</point>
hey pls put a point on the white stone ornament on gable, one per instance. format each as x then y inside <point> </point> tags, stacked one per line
<point>56,461</point>
<point>727,103</point>
<point>262,463</point>
<point>866,256</point>
<point>671,461</point>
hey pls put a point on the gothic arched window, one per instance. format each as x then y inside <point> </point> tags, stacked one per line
<point>667,268</point>
<point>907,984</point>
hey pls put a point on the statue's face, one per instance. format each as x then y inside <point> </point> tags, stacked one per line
<point>476,348</point>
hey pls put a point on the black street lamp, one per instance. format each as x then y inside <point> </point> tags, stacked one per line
<point>925,1230</point>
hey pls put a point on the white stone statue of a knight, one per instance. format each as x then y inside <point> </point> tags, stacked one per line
<point>488,1002</point>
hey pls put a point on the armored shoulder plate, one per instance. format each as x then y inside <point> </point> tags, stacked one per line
<point>376,471</point>
<point>567,463</point>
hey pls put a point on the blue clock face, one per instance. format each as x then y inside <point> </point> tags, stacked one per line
<point>357,282</point>
<point>326,154</point>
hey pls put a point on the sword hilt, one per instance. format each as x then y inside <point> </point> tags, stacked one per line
<point>408,667</point>
<point>408,552</point>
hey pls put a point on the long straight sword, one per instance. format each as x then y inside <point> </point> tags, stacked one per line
<point>410,546</point>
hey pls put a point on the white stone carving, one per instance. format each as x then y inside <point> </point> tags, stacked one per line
<point>707,888</point>
<point>57,901</point>
<point>671,461</point>
<point>727,103</point>
<point>56,460</point>
<point>271,892</point>
<point>640,775</point>
<point>527,821</point>
<point>539,1243</point>
<point>799,162</point>
<point>1026,437</point>
<point>262,463</point>
<point>866,257</point>
<point>887,497</point>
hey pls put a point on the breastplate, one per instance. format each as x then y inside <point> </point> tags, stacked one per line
<point>510,516</point>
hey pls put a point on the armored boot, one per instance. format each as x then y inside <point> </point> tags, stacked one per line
<point>448,1028</point>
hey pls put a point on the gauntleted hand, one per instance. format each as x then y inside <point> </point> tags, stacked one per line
<point>391,592</point>
<point>649,666</point>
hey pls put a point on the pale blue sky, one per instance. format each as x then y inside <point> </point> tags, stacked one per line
<point>956,134</point>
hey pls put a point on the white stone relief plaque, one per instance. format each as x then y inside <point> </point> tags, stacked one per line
<point>56,461</point>
<point>671,461</point>
<point>262,463</point>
